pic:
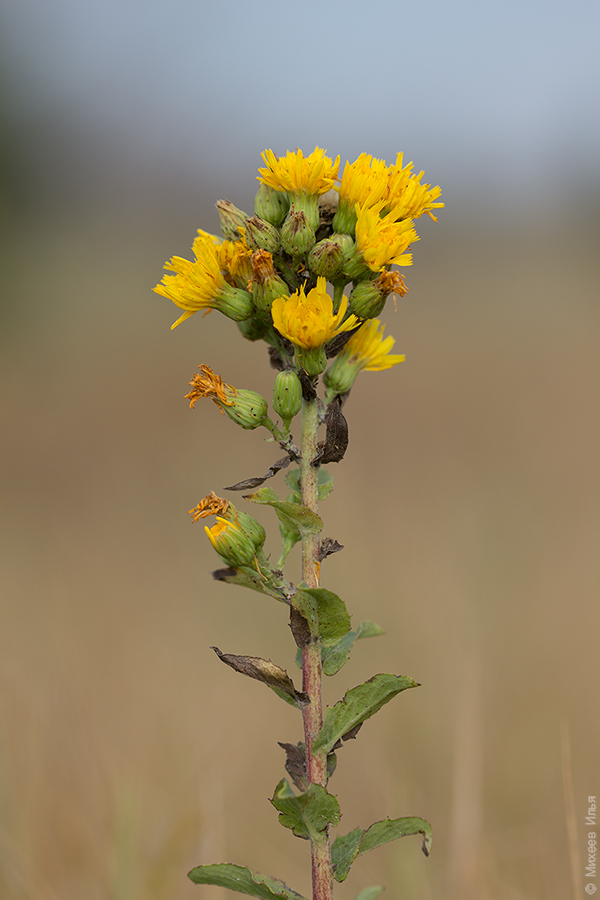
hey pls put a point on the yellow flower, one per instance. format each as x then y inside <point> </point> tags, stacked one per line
<point>370,349</point>
<point>231,542</point>
<point>364,181</point>
<point>200,284</point>
<point>382,240</point>
<point>407,197</point>
<point>297,174</point>
<point>235,257</point>
<point>210,385</point>
<point>367,349</point>
<point>308,320</point>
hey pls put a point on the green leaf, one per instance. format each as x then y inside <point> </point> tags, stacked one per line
<point>307,814</point>
<point>344,851</point>
<point>336,656</point>
<point>346,848</point>
<point>370,893</point>
<point>325,484</point>
<point>325,612</point>
<point>358,705</point>
<point>291,515</point>
<point>241,879</point>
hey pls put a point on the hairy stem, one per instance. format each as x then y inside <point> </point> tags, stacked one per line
<point>316,763</point>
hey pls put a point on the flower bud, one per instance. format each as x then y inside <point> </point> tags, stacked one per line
<point>287,396</point>
<point>266,283</point>
<point>247,408</point>
<point>234,303</point>
<point>271,205</point>
<point>261,235</point>
<point>251,528</point>
<point>254,329</point>
<point>369,297</point>
<point>231,218</point>
<point>313,360</point>
<point>326,258</point>
<point>297,235</point>
<point>231,542</point>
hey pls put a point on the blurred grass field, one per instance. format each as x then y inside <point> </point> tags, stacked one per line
<point>468,507</point>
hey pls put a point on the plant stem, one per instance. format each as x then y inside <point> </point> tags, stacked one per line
<point>316,763</point>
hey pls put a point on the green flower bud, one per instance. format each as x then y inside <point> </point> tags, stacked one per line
<point>271,205</point>
<point>266,283</point>
<point>369,297</point>
<point>234,303</point>
<point>313,360</point>
<point>246,408</point>
<point>261,235</point>
<point>287,396</point>
<point>326,258</point>
<point>254,329</point>
<point>231,542</point>
<point>249,525</point>
<point>297,235</point>
<point>231,218</point>
<point>309,205</point>
<point>344,220</point>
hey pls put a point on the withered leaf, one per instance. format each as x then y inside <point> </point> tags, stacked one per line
<point>309,391</point>
<point>333,448</point>
<point>327,547</point>
<point>266,671</point>
<point>295,764</point>
<point>255,482</point>
<point>300,628</point>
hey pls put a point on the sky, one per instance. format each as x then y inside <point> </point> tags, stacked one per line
<point>499,97</point>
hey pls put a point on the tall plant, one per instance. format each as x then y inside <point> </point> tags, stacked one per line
<point>269,274</point>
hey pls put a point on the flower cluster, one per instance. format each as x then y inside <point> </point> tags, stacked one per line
<point>308,268</point>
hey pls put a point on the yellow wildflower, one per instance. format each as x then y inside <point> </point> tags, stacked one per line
<point>382,240</point>
<point>231,542</point>
<point>407,198</point>
<point>367,349</point>
<point>200,284</point>
<point>297,174</point>
<point>308,320</point>
<point>235,258</point>
<point>370,349</point>
<point>364,181</point>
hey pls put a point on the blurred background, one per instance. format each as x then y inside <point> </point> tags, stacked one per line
<point>468,501</point>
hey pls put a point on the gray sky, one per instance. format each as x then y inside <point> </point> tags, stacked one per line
<point>500,94</point>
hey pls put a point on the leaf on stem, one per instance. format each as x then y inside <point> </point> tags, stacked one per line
<point>370,893</point>
<point>358,705</point>
<point>325,612</point>
<point>324,486</point>
<point>291,515</point>
<point>295,764</point>
<point>346,848</point>
<point>266,671</point>
<point>333,448</point>
<point>241,879</point>
<point>307,814</point>
<point>250,483</point>
<point>336,656</point>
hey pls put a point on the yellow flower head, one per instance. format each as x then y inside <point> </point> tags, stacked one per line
<point>308,320</point>
<point>407,197</point>
<point>364,181</point>
<point>382,240</point>
<point>211,505</point>
<point>370,349</point>
<point>235,257</point>
<point>314,174</point>
<point>195,285</point>
<point>231,542</point>
<point>210,385</point>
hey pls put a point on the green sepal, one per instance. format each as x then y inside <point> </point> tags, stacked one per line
<point>337,656</point>
<point>325,483</point>
<point>324,611</point>
<point>358,705</point>
<point>370,893</point>
<point>346,848</point>
<point>292,515</point>
<point>307,814</point>
<point>241,879</point>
